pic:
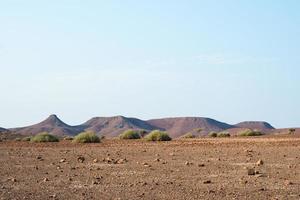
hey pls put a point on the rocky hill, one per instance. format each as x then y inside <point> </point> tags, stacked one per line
<point>178,126</point>
<point>52,125</point>
<point>113,126</point>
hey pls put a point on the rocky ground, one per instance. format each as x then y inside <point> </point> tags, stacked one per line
<point>229,168</point>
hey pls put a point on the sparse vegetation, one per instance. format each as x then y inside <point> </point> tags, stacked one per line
<point>86,137</point>
<point>158,135</point>
<point>26,139</point>
<point>44,137</point>
<point>130,134</point>
<point>68,138</point>
<point>223,134</point>
<point>213,134</point>
<point>188,136</point>
<point>142,133</point>
<point>251,133</point>
<point>198,130</point>
<point>292,131</point>
<point>18,139</point>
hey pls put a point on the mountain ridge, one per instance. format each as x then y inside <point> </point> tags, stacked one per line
<point>113,126</point>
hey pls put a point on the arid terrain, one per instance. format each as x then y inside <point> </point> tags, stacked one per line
<point>207,168</point>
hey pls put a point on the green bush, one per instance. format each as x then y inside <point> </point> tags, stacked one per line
<point>213,134</point>
<point>130,134</point>
<point>86,137</point>
<point>223,134</point>
<point>26,139</point>
<point>188,136</point>
<point>250,133</point>
<point>44,137</point>
<point>158,135</point>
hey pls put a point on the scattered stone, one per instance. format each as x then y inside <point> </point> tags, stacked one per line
<point>95,183</point>
<point>95,160</point>
<point>53,196</point>
<point>45,179</point>
<point>144,184</point>
<point>146,164</point>
<point>108,160</point>
<point>251,172</point>
<point>156,159</point>
<point>13,180</point>
<point>80,159</point>
<point>62,160</point>
<point>287,182</point>
<point>121,161</point>
<point>201,165</point>
<point>259,162</point>
<point>188,163</point>
<point>207,182</point>
<point>39,158</point>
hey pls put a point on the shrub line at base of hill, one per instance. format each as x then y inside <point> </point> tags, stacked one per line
<point>130,134</point>
<point>250,133</point>
<point>158,135</point>
<point>44,137</point>
<point>86,137</point>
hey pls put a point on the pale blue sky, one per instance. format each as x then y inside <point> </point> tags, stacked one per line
<point>231,60</point>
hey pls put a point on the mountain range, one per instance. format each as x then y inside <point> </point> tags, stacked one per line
<point>113,126</point>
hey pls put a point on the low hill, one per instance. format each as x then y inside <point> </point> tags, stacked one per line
<point>178,126</point>
<point>52,125</point>
<point>256,125</point>
<point>3,129</point>
<point>113,126</point>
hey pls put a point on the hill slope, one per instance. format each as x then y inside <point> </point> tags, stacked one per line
<point>113,126</point>
<point>3,129</point>
<point>178,126</point>
<point>52,125</point>
<point>258,125</point>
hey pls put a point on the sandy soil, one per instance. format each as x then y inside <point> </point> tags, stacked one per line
<point>180,169</point>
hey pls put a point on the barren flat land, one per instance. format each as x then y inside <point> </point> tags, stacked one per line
<point>221,168</point>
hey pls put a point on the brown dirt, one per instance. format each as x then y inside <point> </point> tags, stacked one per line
<point>180,169</point>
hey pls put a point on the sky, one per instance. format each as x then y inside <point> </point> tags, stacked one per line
<point>231,60</point>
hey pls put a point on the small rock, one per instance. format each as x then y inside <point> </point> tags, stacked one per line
<point>188,163</point>
<point>53,196</point>
<point>251,172</point>
<point>287,182</point>
<point>121,161</point>
<point>201,165</point>
<point>207,182</point>
<point>146,164</point>
<point>14,180</point>
<point>62,160</point>
<point>172,154</point>
<point>156,159</point>
<point>95,160</point>
<point>95,183</point>
<point>45,179</point>
<point>259,162</point>
<point>80,159</point>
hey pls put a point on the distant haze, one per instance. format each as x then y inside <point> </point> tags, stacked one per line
<point>228,60</point>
